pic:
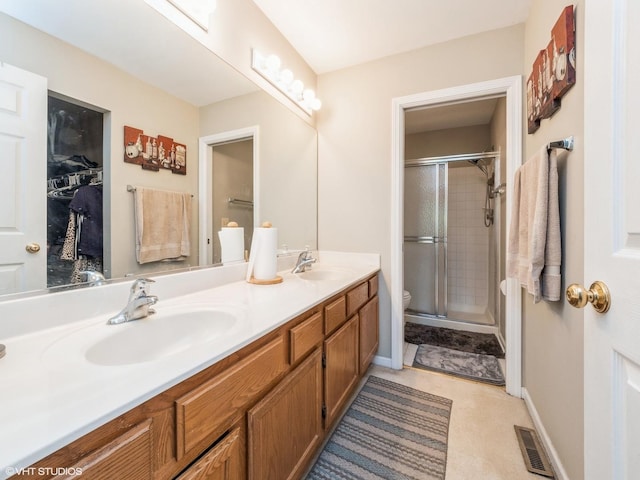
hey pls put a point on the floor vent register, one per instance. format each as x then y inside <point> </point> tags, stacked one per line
<point>534,456</point>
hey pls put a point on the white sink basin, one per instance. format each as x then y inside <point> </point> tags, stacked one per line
<point>160,335</point>
<point>169,332</point>
<point>325,273</point>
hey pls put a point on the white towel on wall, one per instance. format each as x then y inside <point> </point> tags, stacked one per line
<point>162,225</point>
<point>534,252</point>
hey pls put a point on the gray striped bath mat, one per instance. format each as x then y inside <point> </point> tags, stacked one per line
<point>390,432</point>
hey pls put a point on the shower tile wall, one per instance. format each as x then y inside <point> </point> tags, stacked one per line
<point>468,241</point>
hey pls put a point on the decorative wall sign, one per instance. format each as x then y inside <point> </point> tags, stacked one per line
<point>154,153</point>
<point>553,72</point>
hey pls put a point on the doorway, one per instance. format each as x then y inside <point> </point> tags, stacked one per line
<point>511,89</point>
<point>234,156</point>
<point>232,190</point>
<point>75,159</point>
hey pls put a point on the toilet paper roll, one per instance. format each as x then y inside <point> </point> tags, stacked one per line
<point>232,244</point>
<point>265,264</point>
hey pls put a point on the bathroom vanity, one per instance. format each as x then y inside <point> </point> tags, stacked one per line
<point>259,407</point>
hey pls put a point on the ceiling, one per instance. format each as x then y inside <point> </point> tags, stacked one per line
<point>467,114</point>
<point>335,34</point>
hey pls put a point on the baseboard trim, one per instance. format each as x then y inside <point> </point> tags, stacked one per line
<point>382,361</point>
<point>558,468</point>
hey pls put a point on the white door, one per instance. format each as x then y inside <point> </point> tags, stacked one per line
<point>23,166</point>
<point>612,238</point>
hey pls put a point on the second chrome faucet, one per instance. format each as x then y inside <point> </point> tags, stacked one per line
<point>304,261</point>
<point>138,305</point>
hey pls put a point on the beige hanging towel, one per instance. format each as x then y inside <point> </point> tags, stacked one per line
<point>534,252</point>
<point>162,225</point>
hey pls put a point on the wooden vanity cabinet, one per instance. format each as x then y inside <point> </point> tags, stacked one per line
<point>256,414</point>
<point>285,428</point>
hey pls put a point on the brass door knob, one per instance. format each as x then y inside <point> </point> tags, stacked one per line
<point>32,248</point>
<point>598,295</point>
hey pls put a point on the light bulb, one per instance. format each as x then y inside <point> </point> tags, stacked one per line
<point>308,95</point>
<point>286,77</point>
<point>316,104</point>
<point>297,87</point>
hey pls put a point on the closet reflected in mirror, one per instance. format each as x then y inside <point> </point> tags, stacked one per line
<point>75,160</point>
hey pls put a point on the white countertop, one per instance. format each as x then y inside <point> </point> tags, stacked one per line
<point>51,394</point>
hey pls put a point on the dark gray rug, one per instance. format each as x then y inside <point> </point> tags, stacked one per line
<point>472,366</point>
<point>390,432</point>
<point>482,343</point>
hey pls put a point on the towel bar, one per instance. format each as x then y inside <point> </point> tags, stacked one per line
<point>566,144</point>
<point>131,188</point>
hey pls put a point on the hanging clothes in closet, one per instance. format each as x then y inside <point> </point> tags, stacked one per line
<point>84,239</point>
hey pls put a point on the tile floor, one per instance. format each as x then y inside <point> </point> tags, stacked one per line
<point>482,440</point>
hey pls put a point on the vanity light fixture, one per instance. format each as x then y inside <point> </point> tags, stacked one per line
<point>270,67</point>
<point>198,11</point>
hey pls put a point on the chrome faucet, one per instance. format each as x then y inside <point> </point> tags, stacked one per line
<point>304,262</point>
<point>138,305</point>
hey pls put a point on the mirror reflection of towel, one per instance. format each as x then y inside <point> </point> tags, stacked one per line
<point>162,225</point>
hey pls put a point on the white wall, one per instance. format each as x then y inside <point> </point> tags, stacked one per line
<point>354,125</point>
<point>553,332</point>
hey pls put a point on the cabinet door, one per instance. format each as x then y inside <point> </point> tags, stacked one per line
<point>222,462</point>
<point>341,371</point>
<point>368,333</point>
<point>285,428</point>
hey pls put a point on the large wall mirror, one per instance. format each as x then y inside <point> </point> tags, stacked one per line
<point>108,65</point>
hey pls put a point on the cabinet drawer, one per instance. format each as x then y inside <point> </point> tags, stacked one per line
<point>373,286</point>
<point>335,315</point>
<point>208,409</point>
<point>222,461</point>
<point>305,336</point>
<point>127,457</point>
<point>357,297</point>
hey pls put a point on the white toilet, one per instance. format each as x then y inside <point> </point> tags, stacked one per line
<point>406,299</point>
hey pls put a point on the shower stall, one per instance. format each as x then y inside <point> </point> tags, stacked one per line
<point>451,241</point>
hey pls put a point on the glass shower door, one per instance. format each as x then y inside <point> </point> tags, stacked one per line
<point>425,247</point>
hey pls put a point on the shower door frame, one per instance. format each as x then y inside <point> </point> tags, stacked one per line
<point>511,88</point>
<point>442,237</point>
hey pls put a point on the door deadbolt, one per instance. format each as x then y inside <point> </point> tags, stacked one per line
<point>598,295</point>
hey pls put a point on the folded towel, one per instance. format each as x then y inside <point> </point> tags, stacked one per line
<point>534,246</point>
<point>162,225</point>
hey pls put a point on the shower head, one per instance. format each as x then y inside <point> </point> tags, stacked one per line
<point>480,166</point>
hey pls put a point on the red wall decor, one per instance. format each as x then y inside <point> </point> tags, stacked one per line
<point>154,153</point>
<point>553,72</point>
